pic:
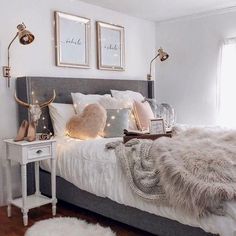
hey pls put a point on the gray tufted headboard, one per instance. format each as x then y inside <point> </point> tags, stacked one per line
<point>43,88</point>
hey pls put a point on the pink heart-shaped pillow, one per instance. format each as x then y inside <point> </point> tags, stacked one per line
<point>89,124</point>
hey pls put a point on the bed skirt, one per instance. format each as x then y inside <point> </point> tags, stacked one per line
<point>128,215</point>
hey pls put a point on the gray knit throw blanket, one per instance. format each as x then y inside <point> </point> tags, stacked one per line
<point>195,170</point>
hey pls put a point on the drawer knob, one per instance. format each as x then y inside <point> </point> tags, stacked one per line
<point>39,151</point>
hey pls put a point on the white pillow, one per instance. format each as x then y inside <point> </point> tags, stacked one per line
<point>114,103</point>
<point>128,95</point>
<point>60,114</point>
<point>81,100</point>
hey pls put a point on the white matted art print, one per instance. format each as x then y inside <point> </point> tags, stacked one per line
<point>157,126</point>
<point>72,40</point>
<point>110,46</point>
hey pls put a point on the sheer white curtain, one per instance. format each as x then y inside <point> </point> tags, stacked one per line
<point>227,85</point>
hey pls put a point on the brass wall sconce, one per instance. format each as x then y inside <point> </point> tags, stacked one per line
<point>162,56</point>
<point>25,37</point>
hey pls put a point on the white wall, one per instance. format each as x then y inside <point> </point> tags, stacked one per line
<point>188,80</point>
<point>38,58</point>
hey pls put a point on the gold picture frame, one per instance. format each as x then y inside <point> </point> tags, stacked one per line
<point>110,46</point>
<point>72,40</point>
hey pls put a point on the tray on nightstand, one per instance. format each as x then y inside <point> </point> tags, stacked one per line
<point>126,138</point>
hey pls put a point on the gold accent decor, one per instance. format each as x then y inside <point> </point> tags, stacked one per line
<point>162,56</point>
<point>25,37</point>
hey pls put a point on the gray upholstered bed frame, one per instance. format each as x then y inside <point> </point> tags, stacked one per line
<point>42,87</point>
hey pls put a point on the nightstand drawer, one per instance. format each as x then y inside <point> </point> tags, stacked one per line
<point>40,151</point>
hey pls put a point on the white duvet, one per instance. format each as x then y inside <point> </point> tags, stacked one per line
<point>90,167</point>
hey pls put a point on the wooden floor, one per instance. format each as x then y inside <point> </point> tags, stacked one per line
<point>14,227</point>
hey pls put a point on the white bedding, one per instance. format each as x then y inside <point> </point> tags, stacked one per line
<point>90,167</point>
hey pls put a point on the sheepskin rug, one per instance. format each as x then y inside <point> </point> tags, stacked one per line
<point>67,226</point>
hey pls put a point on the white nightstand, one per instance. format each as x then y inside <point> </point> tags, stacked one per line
<point>25,152</point>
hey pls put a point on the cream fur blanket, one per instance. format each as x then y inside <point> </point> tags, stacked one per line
<point>195,170</point>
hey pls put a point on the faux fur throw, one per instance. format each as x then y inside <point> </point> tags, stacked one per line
<point>195,170</point>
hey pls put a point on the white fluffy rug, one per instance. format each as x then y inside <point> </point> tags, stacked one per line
<point>66,226</point>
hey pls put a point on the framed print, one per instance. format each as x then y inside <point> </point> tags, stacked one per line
<point>157,126</point>
<point>110,46</point>
<point>72,40</point>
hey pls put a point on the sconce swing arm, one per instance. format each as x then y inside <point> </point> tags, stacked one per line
<point>6,69</point>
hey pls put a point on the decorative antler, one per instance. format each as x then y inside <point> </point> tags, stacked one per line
<point>21,102</point>
<point>35,109</point>
<point>50,101</point>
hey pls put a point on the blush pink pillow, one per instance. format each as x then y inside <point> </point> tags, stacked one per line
<point>143,113</point>
<point>89,124</point>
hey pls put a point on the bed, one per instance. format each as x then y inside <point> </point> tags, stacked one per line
<point>126,208</point>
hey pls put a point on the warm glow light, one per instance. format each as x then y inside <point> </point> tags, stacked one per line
<point>227,86</point>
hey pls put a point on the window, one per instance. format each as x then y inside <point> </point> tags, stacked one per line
<point>227,85</point>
